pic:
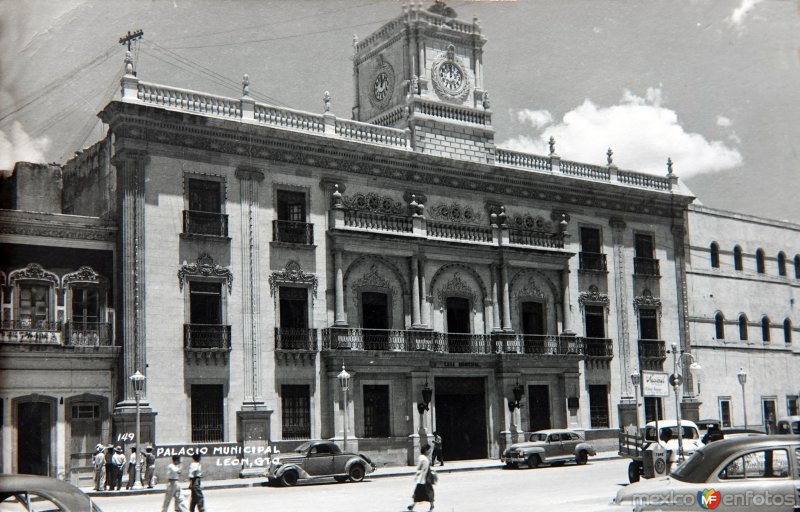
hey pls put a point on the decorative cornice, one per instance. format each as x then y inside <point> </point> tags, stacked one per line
<point>455,212</point>
<point>204,267</point>
<point>57,230</point>
<point>292,274</point>
<point>372,202</point>
<point>646,300</point>
<point>249,173</point>
<point>593,297</point>
<point>84,275</point>
<point>33,271</point>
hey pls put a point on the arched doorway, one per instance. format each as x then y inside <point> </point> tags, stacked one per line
<point>34,426</point>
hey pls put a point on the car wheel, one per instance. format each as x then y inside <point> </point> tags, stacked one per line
<point>534,461</point>
<point>633,472</point>
<point>289,478</point>
<point>340,478</point>
<point>356,473</point>
<point>581,457</point>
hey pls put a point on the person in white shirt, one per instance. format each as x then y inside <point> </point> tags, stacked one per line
<point>131,468</point>
<point>423,479</point>
<point>195,476</point>
<point>173,488</point>
<point>99,467</point>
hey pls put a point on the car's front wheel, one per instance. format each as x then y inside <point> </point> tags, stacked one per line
<point>534,461</point>
<point>633,472</point>
<point>581,457</point>
<point>289,478</point>
<point>356,473</point>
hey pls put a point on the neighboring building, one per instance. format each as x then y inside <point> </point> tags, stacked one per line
<point>251,251</point>
<point>744,285</point>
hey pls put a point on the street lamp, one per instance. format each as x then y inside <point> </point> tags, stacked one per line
<point>518,391</point>
<point>427,393</point>
<point>137,379</point>
<point>676,380</point>
<point>344,380</point>
<point>636,379</point>
<point>742,376</point>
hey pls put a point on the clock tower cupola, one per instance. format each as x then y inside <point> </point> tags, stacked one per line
<point>424,71</point>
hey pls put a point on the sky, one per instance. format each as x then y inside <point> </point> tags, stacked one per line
<point>712,84</point>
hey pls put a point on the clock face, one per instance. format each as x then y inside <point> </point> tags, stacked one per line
<point>451,76</point>
<point>381,86</point>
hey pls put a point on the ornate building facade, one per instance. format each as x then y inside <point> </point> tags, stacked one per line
<point>246,253</point>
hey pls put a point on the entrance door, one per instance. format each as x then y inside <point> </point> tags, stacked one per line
<point>85,432</point>
<point>375,320</point>
<point>33,438</point>
<point>539,406</point>
<point>457,323</point>
<point>533,326</point>
<point>769,416</point>
<point>460,407</point>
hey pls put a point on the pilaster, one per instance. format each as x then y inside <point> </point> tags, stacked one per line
<point>626,356</point>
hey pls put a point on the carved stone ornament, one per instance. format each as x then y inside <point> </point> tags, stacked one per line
<point>33,271</point>
<point>593,297</point>
<point>204,267</point>
<point>529,289</point>
<point>457,213</point>
<point>83,275</point>
<point>371,279</point>
<point>372,202</point>
<point>450,79</point>
<point>292,274</point>
<point>530,223</point>
<point>646,300</point>
<point>455,287</point>
<point>380,88</point>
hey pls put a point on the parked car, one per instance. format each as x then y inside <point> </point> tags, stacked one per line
<point>32,492</point>
<point>789,425</point>
<point>318,459</point>
<point>644,448</point>
<point>744,473</point>
<point>547,447</point>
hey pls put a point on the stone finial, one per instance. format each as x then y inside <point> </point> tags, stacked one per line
<point>669,166</point>
<point>414,85</point>
<point>486,104</point>
<point>245,85</point>
<point>355,40</point>
<point>326,98</point>
<point>563,224</point>
<point>552,144</point>
<point>502,217</point>
<point>414,206</point>
<point>421,210</point>
<point>610,156</point>
<point>493,219</point>
<point>128,63</point>
<point>337,197</point>
<point>477,23</point>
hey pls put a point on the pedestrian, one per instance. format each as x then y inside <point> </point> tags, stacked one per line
<point>437,449</point>
<point>110,478</point>
<point>149,468</point>
<point>99,460</point>
<point>173,488</point>
<point>118,460</point>
<point>132,462</point>
<point>424,478</point>
<point>195,476</point>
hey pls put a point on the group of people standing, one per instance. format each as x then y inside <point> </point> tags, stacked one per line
<point>110,464</point>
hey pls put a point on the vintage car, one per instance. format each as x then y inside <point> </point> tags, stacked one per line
<point>318,459</point>
<point>547,447</point>
<point>32,492</point>
<point>744,473</point>
<point>788,425</point>
<point>644,448</point>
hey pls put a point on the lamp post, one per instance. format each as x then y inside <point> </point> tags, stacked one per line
<point>424,405</point>
<point>518,392</point>
<point>742,376</point>
<point>636,379</point>
<point>137,379</point>
<point>344,380</point>
<point>676,380</point>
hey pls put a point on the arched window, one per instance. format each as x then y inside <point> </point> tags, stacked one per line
<point>714,255</point>
<point>765,329</point>
<point>781,264</point>
<point>797,266</point>
<point>760,261</point>
<point>737,258</point>
<point>719,325</point>
<point>787,331</point>
<point>742,327</point>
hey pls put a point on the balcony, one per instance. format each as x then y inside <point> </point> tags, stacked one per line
<point>205,223</point>
<point>88,334</point>
<point>652,354</point>
<point>645,267</point>
<point>538,344</point>
<point>592,262</point>
<point>461,232</point>
<point>377,221</point>
<point>31,332</point>
<point>207,340</point>
<point>295,339</point>
<point>536,238</point>
<point>600,349</point>
<point>292,232</point>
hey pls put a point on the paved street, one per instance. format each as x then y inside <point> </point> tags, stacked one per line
<point>570,487</point>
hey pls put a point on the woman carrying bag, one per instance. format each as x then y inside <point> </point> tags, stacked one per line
<point>424,479</point>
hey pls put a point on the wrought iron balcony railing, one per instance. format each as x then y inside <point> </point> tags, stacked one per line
<point>205,223</point>
<point>593,261</point>
<point>31,332</point>
<point>652,350</point>
<point>92,334</point>
<point>293,232</point>
<point>646,267</point>
<point>295,338</point>
<point>207,337</point>
<point>598,348</point>
<point>536,238</point>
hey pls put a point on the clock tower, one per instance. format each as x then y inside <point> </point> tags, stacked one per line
<point>424,71</point>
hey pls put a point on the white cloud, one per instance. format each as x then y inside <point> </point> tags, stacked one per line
<point>642,133</point>
<point>723,121</point>
<point>17,146</point>
<point>737,17</point>
<point>536,118</point>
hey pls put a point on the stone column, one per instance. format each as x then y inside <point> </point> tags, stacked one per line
<point>627,359</point>
<point>506,298</point>
<point>130,164</point>
<point>339,297</point>
<point>415,313</point>
<point>565,307</point>
<point>249,180</point>
<point>495,300</point>
<point>426,311</point>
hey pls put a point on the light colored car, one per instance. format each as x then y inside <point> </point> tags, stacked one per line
<point>668,437</point>
<point>28,493</point>
<point>548,447</point>
<point>318,459</point>
<point>742,474</point>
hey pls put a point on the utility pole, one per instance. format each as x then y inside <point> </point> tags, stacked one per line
<point>130,37</point>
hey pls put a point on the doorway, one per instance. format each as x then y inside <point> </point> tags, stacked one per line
<point>375,320</point>
<point>85,423</point>
<point>460,407</point>
<point>458,325</point>
<point>533,326</point>
<point>33,438</point>
<point>539,406</point>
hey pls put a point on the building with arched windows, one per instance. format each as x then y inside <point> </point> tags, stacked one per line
<point>242,255</point>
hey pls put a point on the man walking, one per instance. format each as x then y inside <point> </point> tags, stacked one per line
<point>149,468</point>
<point>173,488</point>
<point>437,449</point>
<point>99,460</point>
<point>195,476</point>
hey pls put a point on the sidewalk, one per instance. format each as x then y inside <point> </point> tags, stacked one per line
<point>384,472</point>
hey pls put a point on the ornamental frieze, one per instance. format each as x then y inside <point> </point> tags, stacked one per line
<point>455,287</point>
<point>372,202</point>
<point>204,267</point>
<point>292,274</point>
<point>531,223</point>
<point>55,231</point>
<point>456,213</point>
<point>647,301</point>
<point>371,279</point>
<point>83,275</point>
<point>528,289</point>
<point>593,297</point>
<point>33,271</point>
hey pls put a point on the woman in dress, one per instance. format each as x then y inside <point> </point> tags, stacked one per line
<point>423,479</point>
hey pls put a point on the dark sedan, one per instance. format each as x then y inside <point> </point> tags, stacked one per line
<point>33,493</point>
<point>318,459</point>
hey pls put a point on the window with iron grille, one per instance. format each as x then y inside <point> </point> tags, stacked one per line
<point>598,405</point>
<point>205,196</point>
<point>85,411</point>
<point>296,411</point>
<point>207,413</point>
<point>376,411</point>
<point>291,206</point>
